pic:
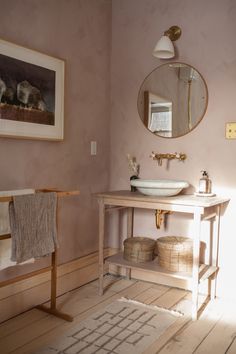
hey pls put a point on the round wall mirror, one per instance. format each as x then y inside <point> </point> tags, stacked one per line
<point>172,100</point>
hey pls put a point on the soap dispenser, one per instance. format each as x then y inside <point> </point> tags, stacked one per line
<point>205,183</point>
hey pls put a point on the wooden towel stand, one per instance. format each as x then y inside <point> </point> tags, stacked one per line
<point>53,268</point>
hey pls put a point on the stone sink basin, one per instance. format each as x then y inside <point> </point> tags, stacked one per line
<point>159,187</point>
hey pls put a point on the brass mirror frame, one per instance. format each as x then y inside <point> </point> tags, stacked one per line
<point>200,118</point>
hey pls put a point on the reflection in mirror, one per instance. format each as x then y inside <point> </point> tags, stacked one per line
<point>172,100</point>
<point>157,114</point>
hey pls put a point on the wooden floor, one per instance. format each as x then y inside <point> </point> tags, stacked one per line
<point>213,333</point>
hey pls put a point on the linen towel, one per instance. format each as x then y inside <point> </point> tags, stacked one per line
<point>33,225</point>
<point>5,245</point>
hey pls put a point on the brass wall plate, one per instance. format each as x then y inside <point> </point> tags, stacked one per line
<point>230,131</point>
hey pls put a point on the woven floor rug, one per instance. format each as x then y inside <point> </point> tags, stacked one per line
<point>125,326</point>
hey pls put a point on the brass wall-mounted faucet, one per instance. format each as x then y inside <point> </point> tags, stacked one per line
<point>169,156</point>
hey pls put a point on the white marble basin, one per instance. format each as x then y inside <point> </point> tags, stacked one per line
<point>159,187</point>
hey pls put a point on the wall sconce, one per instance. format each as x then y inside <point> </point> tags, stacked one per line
<point>164,48</point>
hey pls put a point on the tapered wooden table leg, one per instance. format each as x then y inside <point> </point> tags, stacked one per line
<point>101,245</point>
<point>196,253</point>
<point>215,250</point>
<point>130,220</point>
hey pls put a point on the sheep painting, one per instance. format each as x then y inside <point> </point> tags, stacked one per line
<point>27,92</point>
<point>31,93</point>
<point>30,96</point>
<point>2,89</point>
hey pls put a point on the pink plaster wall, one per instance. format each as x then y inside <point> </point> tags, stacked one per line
<point>77,31</point>
<point>207,43</point>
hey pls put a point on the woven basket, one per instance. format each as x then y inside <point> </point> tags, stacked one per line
<point>139,249</point>
<point>175,253</point>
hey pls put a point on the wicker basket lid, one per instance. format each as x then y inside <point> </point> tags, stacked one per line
<point>139,239</point>
<point>174,240</point>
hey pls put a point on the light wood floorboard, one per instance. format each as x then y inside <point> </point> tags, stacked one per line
<point>214,332</point>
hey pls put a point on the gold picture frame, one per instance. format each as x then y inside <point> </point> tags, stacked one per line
<point>31,94</point>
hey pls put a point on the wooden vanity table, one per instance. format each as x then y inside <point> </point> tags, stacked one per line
<point>202,208</point>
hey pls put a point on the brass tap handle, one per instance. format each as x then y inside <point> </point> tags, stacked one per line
<point>182,157</point>
<point>153,155</point>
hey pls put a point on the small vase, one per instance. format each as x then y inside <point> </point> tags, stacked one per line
<point>133,189</point>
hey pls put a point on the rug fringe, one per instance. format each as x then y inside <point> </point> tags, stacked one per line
<point>153,307</point>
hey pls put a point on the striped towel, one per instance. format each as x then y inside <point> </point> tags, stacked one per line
<point>33,225</point>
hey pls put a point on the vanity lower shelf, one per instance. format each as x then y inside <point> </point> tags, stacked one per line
<point>205,271</point>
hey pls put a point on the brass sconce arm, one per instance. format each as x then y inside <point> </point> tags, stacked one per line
<point>169,156</point>
<point>174,32</point>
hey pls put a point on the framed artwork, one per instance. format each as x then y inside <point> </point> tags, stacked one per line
<point>31,94</point>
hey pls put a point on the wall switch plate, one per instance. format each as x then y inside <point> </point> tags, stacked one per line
<point>93,148</point>
<point>230,132</point>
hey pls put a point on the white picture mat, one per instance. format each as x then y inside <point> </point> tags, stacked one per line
<point>11,128</point>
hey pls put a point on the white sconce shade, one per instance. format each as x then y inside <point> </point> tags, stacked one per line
<point>164,48</point>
